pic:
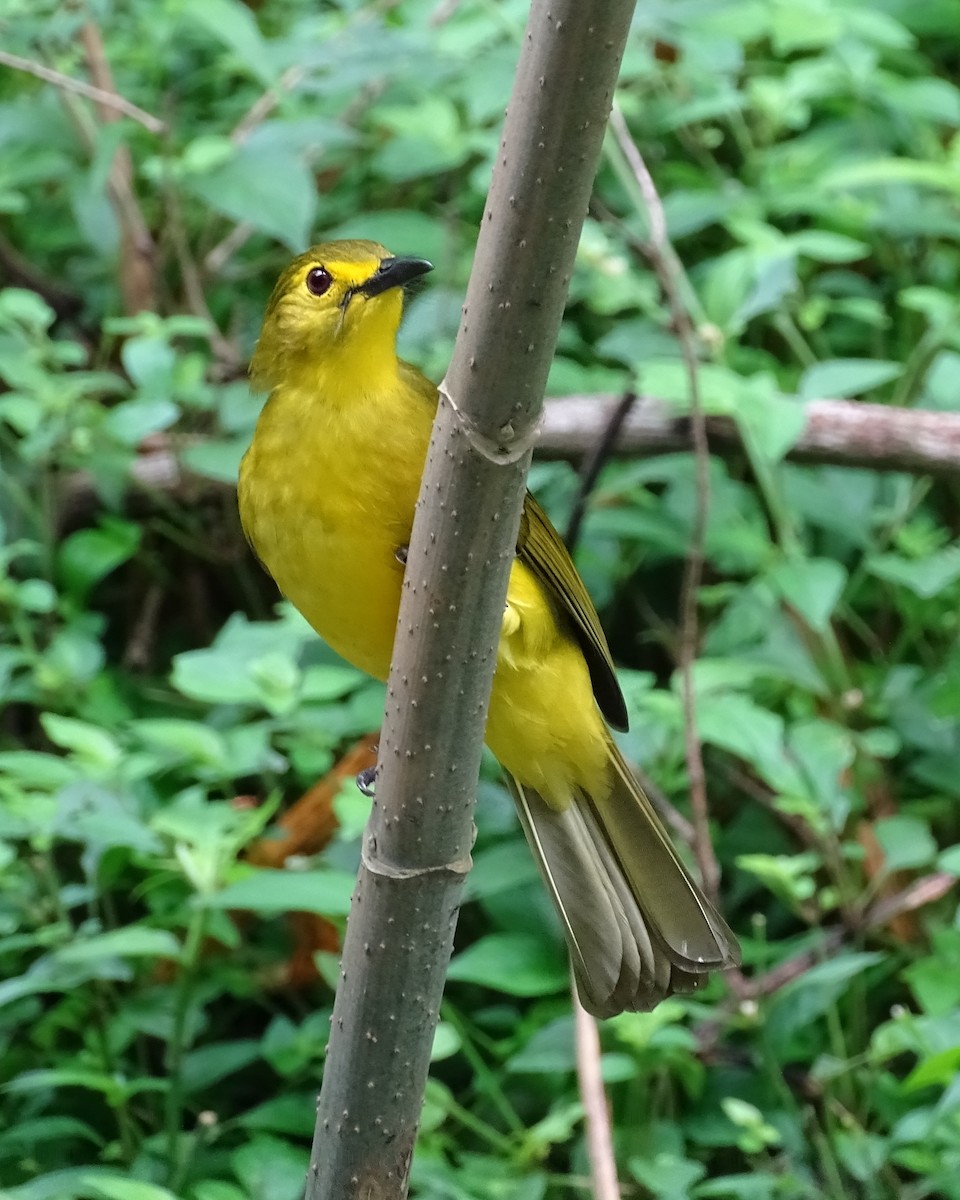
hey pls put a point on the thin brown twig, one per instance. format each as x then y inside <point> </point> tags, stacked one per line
<point>671,816</point>
<point>926,890</point>
<point>137,250</point>
<point>265,103</point>
<point>663,260</point>
<point>593,464</point>
<point>603,1164</point>
<point>107,97</point>
<point>258,112</point>
<point>923,891</point>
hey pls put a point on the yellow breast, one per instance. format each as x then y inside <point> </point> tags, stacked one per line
<point>327,496</point>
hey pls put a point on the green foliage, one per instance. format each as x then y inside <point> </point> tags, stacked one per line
<point>806,153</point>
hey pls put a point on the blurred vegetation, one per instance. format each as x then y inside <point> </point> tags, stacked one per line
<point>159,709</point>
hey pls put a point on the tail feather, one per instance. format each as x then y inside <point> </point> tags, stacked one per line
<point>637,926</point>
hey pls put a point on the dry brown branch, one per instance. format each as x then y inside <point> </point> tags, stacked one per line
<point>264,105</point>
<point>104,97</point>
<point>924,891</point>
<point>595,1105</point>
<point>137,249</point>
<point>839,432</point>
<point>919,894</point>
<point>663,259</point>
<point>603,1164</point>
<point>846,433</point>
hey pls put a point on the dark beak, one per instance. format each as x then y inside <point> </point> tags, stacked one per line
<point>394,272</point>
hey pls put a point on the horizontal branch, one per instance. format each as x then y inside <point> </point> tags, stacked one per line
<point>845,433</point>
<point>66,83</point>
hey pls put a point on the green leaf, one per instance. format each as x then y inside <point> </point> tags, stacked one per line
<point>218,458</point>
<point>90,743</point>
<point>805,1000</point>
<point>906,842</point>
<point>516,963</point>
<point>736,724</point>
<point>133,941</point>
<point>292,1114</point>
<point>186,741</point>
<point>497,868</point>
<point>770,424</point>
<point>812,587</point>
<point>270,1169</point>
<point>446,1042</point>
<point>667,1176</point>
<point>551,1049</point>
<point>30,1133</point>
<point>134,420</point>
<point>948,861</point>
<point>207,1065</point>
<point>935,1071</point>
<point>269,891</point>
<point>927,577</point>
<point>267,186</point>
<point>235,26</point>
<point>839,377</point>
<point>89,555</point>
<point>117,1187</point>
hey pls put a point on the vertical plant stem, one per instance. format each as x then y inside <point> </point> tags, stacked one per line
<point>417,847</point>
<point>176,1047</point>
<point>664,261</point>
<point>603,1165</point>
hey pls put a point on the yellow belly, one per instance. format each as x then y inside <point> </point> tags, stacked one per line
<point>327,529</point>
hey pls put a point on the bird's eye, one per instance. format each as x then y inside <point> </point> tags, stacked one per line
<point>319,280</point>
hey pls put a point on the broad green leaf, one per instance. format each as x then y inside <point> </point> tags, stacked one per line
<point>216,458</point>
<point>268,187</point>
<point>134,941</point>
<point>551,1049</point>
<point>937,1070</point>
<point>886,171</point>
<point>906,841</point>
<point>841,377</point>
<point>90,743</point>
<point>927,576</point>
<point>515,963</point>
<point>117,1187</point>
<point>268,891</point>
<point>207,1065</point>
<point>738,725</point>
<point>235,26</point>
<point>770,423</point>
<point>811,586</point>
<point>292,1114</point>
<point>31,1132</point>
<point>87,556</point>
<point>805,1000</point>
<point>134,420</point>
<point>271,1169</point>
<point>187,741</point>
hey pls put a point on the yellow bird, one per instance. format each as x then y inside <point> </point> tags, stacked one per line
<point>327,494</point>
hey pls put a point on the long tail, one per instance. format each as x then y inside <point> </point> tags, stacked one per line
<point>637,926</point>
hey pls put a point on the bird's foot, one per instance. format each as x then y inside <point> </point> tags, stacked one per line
<point>367,781</point>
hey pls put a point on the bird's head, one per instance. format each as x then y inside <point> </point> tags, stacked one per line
<point>340,301</point>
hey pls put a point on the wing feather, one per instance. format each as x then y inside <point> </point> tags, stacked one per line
<point>541,549</point>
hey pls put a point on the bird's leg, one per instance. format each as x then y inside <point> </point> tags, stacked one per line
<point>367,781</point>
<point>400,554</point>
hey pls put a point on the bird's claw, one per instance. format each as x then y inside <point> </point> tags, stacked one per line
<point>367,781</point>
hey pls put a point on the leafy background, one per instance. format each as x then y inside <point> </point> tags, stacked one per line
<point>160,709</point>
